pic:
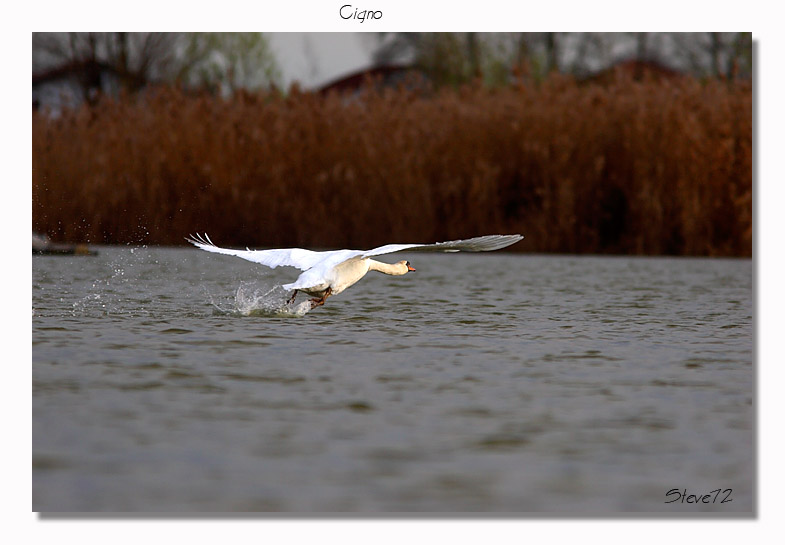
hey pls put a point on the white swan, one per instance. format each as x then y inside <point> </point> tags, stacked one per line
<point>329,273</point>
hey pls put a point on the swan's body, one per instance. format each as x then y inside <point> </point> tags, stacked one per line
<point>331,272</point>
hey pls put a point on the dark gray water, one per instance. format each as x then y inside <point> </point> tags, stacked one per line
<point>166,380</point>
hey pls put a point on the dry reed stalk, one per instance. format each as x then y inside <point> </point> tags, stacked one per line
<point>630,167</point>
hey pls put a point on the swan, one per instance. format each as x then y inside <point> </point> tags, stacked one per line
<point>331,272</point>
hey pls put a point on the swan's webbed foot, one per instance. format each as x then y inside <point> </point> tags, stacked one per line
<point>319,302</point>
<point>291,299</point>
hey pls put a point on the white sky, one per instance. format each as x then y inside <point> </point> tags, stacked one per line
<point>314,58</point>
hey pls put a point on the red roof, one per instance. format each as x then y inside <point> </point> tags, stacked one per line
<point>382,76</point>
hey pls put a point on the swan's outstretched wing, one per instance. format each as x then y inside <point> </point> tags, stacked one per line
<point>287,257</point>
<point>476,244</point>
<point>307,259</point>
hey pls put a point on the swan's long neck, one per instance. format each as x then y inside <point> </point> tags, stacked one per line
<point>395,269</point>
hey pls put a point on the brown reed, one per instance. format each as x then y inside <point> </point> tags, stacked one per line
<point>627,167</point>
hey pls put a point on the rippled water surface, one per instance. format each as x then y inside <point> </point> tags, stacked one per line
<point>170,380</point>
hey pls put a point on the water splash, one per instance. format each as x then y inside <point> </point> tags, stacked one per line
<point>254,300</point>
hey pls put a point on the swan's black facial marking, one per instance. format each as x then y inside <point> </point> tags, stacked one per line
<point>409,266</point>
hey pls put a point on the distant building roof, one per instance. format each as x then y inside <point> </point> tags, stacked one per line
<point>636,69</point>
<point>390,75</point>
<point>74,81</point>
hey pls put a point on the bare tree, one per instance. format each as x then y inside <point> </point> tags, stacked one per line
<point>712,54</point>
<point>450,58</point>
<point>228,61</point>
<point>103,61</point>
<point>91,63</point>
<point>397,47</point>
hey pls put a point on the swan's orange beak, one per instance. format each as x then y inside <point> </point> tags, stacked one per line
<point>410,267</point>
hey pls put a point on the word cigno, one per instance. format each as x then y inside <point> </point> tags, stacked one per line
<point>346,13</point>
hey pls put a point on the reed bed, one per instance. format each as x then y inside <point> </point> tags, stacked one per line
<point>626,167</point>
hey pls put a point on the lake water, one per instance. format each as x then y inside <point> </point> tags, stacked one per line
<point>167,380</point>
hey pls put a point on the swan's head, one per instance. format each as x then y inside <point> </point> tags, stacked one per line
<point>406,266</point>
